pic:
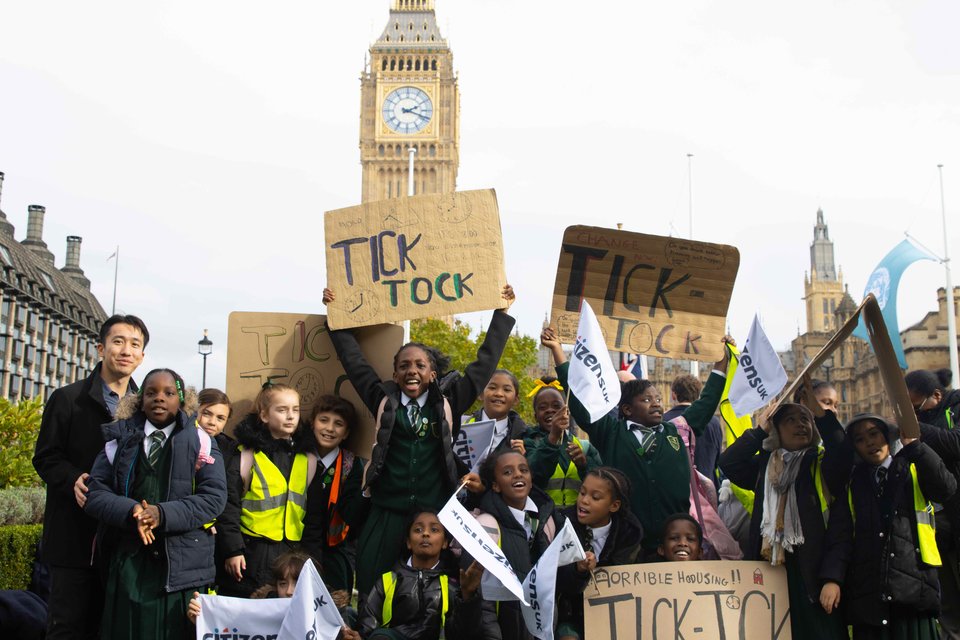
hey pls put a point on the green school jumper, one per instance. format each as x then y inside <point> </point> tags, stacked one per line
<point>413,477</point>
<point>136,604</point>
<point>660,479</point>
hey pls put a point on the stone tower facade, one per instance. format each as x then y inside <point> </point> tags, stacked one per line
<point>409,99</point>
<point>823,285</point>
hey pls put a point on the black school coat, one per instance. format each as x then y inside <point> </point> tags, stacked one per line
<point>876,560</point>
<point>69,440</point>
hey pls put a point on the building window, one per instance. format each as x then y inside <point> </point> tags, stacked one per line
<point>5,312</point>
<point>5,256</point>
<point>47,280</point>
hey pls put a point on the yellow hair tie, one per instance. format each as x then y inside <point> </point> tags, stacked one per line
<point>540,384</point>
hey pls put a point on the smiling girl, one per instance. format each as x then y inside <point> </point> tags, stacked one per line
<point>500,396</point>
<point>267,488</point>
<point>335,508</point>
<point>152,489</point>
<point>412,462</point>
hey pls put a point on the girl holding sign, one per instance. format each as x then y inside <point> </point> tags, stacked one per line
<point>781,460</point>
<point>412,463</point>
<point>499,397</point>
<point>882,557</point>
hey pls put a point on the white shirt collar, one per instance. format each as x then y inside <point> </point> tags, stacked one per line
<point>330,458</point>
<point>149,428</point>
<point>519,515</point>
<point>886,463</point>
<point>600,535</point>
<point>433,568</point>
<point>500,429</point>
<point>421,399</point>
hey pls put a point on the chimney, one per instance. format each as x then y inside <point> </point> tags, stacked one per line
<point>72,268</point>
<point>5,227</point>
<point>34,240</point>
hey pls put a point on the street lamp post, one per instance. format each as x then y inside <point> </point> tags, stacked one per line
<point>205,348</point>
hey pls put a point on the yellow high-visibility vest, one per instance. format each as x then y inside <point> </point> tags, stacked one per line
<point>926,523</point>
<point>563,487</point>
<point>272,507</point>
<point>390,586</point>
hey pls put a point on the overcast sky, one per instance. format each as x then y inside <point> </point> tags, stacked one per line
<point>208,138</point>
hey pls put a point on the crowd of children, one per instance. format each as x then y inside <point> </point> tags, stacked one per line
<point>848,510</point>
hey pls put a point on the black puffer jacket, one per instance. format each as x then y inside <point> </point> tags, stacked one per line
<point>195,496</point>
<point>746,469</point>
<point>416,607</point>
<point>876,557</point>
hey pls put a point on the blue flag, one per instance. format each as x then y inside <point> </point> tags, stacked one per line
<point>883,284</point>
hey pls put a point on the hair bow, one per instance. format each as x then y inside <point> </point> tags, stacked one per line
<point>540,384</point>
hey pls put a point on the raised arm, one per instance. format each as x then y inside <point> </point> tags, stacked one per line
<point>699,413</point>
<point>740,462</point>
<point>477,374</point>
<point>362,376</point>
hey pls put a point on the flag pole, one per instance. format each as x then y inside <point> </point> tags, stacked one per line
<point>951,310</point>
<point>116,269</point>
<point>411,186</point>
<point>694,365</point>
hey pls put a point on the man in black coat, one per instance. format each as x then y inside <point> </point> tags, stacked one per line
<point>70,439</point>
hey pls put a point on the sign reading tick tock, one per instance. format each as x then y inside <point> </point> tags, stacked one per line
<point>416,257</point>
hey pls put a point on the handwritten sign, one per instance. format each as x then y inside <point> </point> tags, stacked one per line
<point>742,600</point>
<point>295,349</point>
<point>666,297</point>
<point>417,257</point>
<point>890,372</point>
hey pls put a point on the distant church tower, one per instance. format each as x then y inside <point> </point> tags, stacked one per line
<point>823,286</point>
<point>409,98</point>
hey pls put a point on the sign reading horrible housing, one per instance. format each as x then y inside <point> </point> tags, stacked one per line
<point>666,297</point>
<point>417,257</point>
<point>717,599</point>
<point>295,349</point>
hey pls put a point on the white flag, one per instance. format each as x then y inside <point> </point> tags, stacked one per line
<point>225,617</point>
<point>470,534</point>
<point>592,377</point>
<point>473,442</point>
<point>540,585</point>
<point>759,376</point>
<point>312,613</point>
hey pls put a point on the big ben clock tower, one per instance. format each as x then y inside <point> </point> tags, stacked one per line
<point>409,99</point>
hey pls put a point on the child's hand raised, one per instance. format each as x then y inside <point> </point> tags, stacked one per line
<point>328,296</point>
<point>508,295</point>
<point>470,580</point>
<point>472,483</point>
<point>558,423</point>
<point>549,339</point>
<point>809,400</point>
<point>722,363</point>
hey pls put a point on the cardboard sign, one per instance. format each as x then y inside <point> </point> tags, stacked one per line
<point>666,297</point>
<point>890,372</point>
<point>295,349</point>
<point>717,599</point>
<point>417,257</point>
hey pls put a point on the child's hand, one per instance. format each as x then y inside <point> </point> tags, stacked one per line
<point>508,295</point>
<point>473,483</point>
<point>577,456</point>
<point>809,400</point>
<point>519,447</point>
<point>762,418</point>
<point>144,531</point>
<point>328,296</point>
<point>470,580</point>
<point>589,564</point>
<point>721,364</point>
<point>549,339</point>
<point>349,634</point>
<point>193,608</point>
<point>558,423</point>
<point>830,596</point>
<point>235,567</point>
<point>80,489</point>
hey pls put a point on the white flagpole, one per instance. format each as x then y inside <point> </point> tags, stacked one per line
<point>116,269</point>
<point>411,187</point>
<point>951,317</point>
<point>694,365</point>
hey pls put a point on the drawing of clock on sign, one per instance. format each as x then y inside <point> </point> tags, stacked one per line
<point>407,110</point>
<point>361,305</point>
<point>453,209</point>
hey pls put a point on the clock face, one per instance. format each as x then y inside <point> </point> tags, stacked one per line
<point>407,110</point>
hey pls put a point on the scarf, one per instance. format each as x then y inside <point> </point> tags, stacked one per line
<point>780,527</point>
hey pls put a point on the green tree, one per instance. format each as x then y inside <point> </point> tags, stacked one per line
<point>519,355</point>
<point>19,427</point>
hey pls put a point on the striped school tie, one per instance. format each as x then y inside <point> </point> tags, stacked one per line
<point>648,437</point>
<point>156,446</point>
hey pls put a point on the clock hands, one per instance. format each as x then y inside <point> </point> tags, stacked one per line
<point>412,110</point>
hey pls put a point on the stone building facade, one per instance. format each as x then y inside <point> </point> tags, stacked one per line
<point>49,319</point>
